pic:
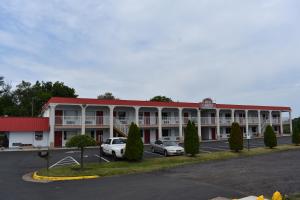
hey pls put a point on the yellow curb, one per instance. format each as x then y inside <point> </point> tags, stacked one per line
<point>61,178</point>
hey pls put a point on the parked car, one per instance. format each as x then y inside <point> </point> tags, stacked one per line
<point>167,148</point>
<point>115,147</point>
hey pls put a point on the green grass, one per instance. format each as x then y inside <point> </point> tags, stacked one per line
<point>147,165</point>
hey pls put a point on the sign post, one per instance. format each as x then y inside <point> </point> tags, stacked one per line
<point>248,141</point>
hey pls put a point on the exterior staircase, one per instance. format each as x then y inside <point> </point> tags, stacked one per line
<point>120,129</point>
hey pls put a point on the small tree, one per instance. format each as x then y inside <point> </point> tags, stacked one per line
<point>270,139</point>
<point>134,147</point>
<point>236,138</point>
<point>161,99</point>
<point>191,139</point>
<point>106,95</point>
<point>296,136</point>
<point>81,141</point>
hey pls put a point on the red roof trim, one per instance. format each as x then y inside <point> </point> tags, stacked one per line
<point>63,100</point>
<point>24,124</point>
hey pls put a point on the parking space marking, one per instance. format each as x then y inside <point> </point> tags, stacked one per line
<point>149,152</point>
<point>219,149</point>
<point>102,158</point>
<point>70,152</point>
<point>204,151</point>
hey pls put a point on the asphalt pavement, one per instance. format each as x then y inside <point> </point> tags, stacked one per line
<point>229,178</point>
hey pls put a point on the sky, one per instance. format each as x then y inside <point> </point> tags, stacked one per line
<point>237,52</point>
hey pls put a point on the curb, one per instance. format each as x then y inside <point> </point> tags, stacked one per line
<point>62,178</point>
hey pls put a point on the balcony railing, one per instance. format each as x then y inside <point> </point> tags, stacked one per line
<point>148,121</point>
<point>68,120</point>
<point>97,120</point>
<point>170,120</point>
<point>192,119</point>
<point>225,121</point>
<point>208,121</point>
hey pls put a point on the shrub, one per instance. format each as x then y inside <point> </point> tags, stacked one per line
<point>270,139</point>
<point>134,147</point>
<point>236,138</point>
<point>191,139</point>
<point>296,136</point>
<point>81,141</point>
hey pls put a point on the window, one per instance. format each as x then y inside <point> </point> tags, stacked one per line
<point>92,134</point>
<point>141,133</point>
<point>65,135</point>
<point>227,115</point>
<point>38,135</point>
<point>107,141</point>
<point>165,132</point>
<point>164,114</point>
<point>122,115</point>
<point>254,129</point>
<point>228,130</point>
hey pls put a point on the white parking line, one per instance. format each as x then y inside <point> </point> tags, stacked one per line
<point>102,158</point>
<point>205,151</point>
<point>149,152</point>
<point>72,152</point>
<point>214,148</point>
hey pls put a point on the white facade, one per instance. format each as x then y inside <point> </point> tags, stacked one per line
<point>168,122</point>
<point>22,139</point>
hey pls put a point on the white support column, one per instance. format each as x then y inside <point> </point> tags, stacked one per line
<point>52,125</point>
<point>247,123</point>
<point>199,124</point>
<point>270,117</point>
<point>159,123</point>
<point>180,123</point>
<point>111,121</point>
<point>218,124</point>
<point>83,109</point>
<point>232,115</point>
<point>259,123</point>
<point>291,122</point>
<point>281,124</point>
<point>136,108</point>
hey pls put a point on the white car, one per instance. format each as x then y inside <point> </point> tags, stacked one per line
<point>115,147</point>
<point>168,148</point>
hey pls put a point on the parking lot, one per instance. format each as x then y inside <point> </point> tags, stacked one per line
<point>212,180</point>
<point>93,154</point>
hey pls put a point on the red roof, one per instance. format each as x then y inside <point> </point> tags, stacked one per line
<point>23,124</point>
<point>64,100</point>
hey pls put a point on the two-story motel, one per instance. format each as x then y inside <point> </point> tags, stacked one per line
<point>102,119</point>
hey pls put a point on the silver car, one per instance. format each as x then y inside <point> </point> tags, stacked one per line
<point>167,148</point>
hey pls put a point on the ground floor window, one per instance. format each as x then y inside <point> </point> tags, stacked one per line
<point>38,135</point>
<point>165,132</point>
<point>254,129</point>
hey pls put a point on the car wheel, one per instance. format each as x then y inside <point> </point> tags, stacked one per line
<point>166,153</point>
<point>153,150</point>
<point>114,156</point>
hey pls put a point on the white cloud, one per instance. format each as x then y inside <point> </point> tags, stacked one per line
<point>235,51</point>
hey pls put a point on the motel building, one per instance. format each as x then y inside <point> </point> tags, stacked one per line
<point>62,118</point>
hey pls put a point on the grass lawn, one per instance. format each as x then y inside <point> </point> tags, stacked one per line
<point>147,165</point>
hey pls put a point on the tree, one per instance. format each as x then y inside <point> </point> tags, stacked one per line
<point>28,99</point>
<point>191,139</point>
<point>161,99</point>
<point>296,136</point>
<point>106,95</point>
<point>270,139</point>
<point>134,146</point>
<point>236,138</point>
<point>81,141</point>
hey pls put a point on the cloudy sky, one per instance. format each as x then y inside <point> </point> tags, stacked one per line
<point>243,52</point>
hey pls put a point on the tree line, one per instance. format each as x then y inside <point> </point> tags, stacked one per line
<point>27,99</point>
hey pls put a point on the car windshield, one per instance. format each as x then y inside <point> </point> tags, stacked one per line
<point>170,143</point>
<point>119,141</point>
